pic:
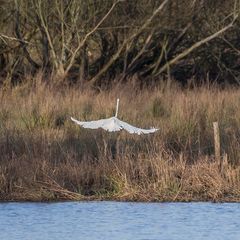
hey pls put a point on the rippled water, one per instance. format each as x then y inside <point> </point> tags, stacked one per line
<point>119,221</point>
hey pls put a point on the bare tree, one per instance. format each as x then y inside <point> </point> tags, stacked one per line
<point>95,42</point>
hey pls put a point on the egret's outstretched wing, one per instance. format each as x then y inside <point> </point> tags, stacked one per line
<point>113,124</point>
<point>107,124</point>
<point>90,124</point>
<point>131,129</point>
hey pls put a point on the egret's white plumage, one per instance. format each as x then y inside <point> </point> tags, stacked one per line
<point>113,124</point>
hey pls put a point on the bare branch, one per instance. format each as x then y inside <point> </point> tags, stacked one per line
<point>3,36</point>
<point>193,47</point>
<point>40,14</point>
<point>80,45</point>
<point>22,42</point>
<point>117,54</point>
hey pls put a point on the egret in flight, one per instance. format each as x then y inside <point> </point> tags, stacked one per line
<point>113,124</point>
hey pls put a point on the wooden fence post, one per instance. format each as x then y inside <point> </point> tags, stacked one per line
<point>217,147</point>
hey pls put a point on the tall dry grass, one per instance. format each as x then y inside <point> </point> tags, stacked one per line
<point>44,156</point>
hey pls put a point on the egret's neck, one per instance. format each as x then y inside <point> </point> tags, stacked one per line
<point>117,108</point>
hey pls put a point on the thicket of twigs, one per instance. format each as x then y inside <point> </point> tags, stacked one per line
<point>97,41</point>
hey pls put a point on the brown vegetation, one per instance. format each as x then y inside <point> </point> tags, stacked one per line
<point>74,58</point>
<point>44,156</point>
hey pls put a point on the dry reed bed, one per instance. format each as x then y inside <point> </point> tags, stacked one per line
<point>44,156</point>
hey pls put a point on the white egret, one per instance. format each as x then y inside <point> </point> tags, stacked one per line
<point>113,124</point>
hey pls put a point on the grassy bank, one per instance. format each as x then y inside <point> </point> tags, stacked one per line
<point>44,156</point>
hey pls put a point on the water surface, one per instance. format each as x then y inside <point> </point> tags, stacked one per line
<point>119,221</point>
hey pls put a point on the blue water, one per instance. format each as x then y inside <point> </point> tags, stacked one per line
<point>119,221</point>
